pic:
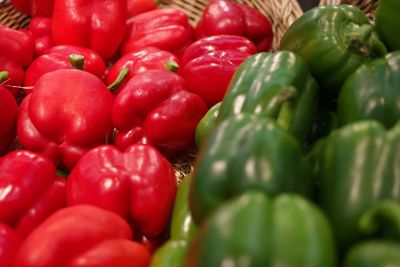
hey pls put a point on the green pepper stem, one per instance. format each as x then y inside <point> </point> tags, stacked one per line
<point>172,66</point>
<point>118,81</point>
<point>157,2</point>
<point>3,76</point>
<point>77,61</point>
<point>364,40</point>
<point>386,212</point>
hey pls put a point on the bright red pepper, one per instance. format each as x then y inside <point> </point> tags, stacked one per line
<point>57,58</point>
<point>43,8</point>
<point>10,242</point>
<point>208,72</point>
<point>166,29</point>
<point>143,59</point>
<point>138,184</point>
<point>155,107</point>
<point>67,113</point>
<point>96,24</point>
<point>40,28</point>
<point>9,110</point>
<point>228,17</point>
<point>30,190</point>
<point>82,236</point>
<point>16,52</point>
<point>136,7</point>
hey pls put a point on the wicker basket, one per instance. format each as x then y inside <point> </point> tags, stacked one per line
<point>280,12</point>
<point>367,6</point>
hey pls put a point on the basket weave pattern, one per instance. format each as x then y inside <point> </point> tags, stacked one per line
<point>280,12</point>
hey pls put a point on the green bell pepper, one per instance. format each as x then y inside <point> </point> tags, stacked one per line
<point>171,254</point>
<point>384,217</point>
<point>278,86</point>
<point>388,23</point>
<point>253,230</point>
<point>355,167</point>
<point>372,92</point>
<point>206,124</point>
<point>246,152</point>
<point>334,40</point>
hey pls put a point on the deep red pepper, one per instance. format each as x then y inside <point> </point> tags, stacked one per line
<point>30,190</point>
<point>143,59</point>
<point>34,8</point>
<point>9,110</point>
<point>96,24</point>
<point>155,107</point>
<point>138,184</point>
<point>209,71</point>
<point>136,7</point>
<point>67,113</point>
<point>16,52</point>
<point>57,58</point>
<point>166,29</point>
<point>10,242</point>
<point>228,17</point>
<point>82,236</point>
<point>40,28</point>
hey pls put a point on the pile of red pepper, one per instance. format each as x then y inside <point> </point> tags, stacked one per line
<point>97,99</point>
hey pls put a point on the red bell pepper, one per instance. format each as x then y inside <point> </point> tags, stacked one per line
<point>57,58</point>
<point>33,8</point>
<point>96,24</point>
<point>228,17</point>
<point>166,29</point>
<point>209,72</point>
<point>10,242</point>
<point>138,184</point>
<point>136,7</point>
<point>16,52</point>
<point>30,190</point>
<point>9,110</point>
<point>67,113</point>
<point>40,28</point>
<point>155,107</point>
<point>82,236</point>
<point>145,59</point>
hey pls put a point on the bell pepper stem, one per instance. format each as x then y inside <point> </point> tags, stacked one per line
<point>118,81</point>
<point>172,66</point>
<point>385,212</point>
<point>363,40</point>
<point>157,2</point>
<point>3,76</point>
<point>77,61</point>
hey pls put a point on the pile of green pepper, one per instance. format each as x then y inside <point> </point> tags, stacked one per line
<point>299,163</point>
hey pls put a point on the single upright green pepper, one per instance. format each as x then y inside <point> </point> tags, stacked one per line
<point>334,41</point>
<point>278,86</point>
<point>356,166</point>
<point>246,152</point>
<point>372,92</point>
<point>378,252</point>
<point>388,23</point>
<point>253,230</point>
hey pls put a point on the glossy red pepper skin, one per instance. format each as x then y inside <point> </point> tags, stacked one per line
<point>30,190</point>
<point>96,24</point>
<point>228,17</point>
<point>10,242</point>
<point>166,29</point>
<point>155,107</point>
<point>16,52</point>
<point>83,236</point>
<point>34,8</point>
<point>138,184</point>
<point>40,28</point>
<point>57,58</point>
<point>210,71</point>
<point>67,113</point>
<point>144,59</point>
<point>136,7</point>
<point>8,119</point>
